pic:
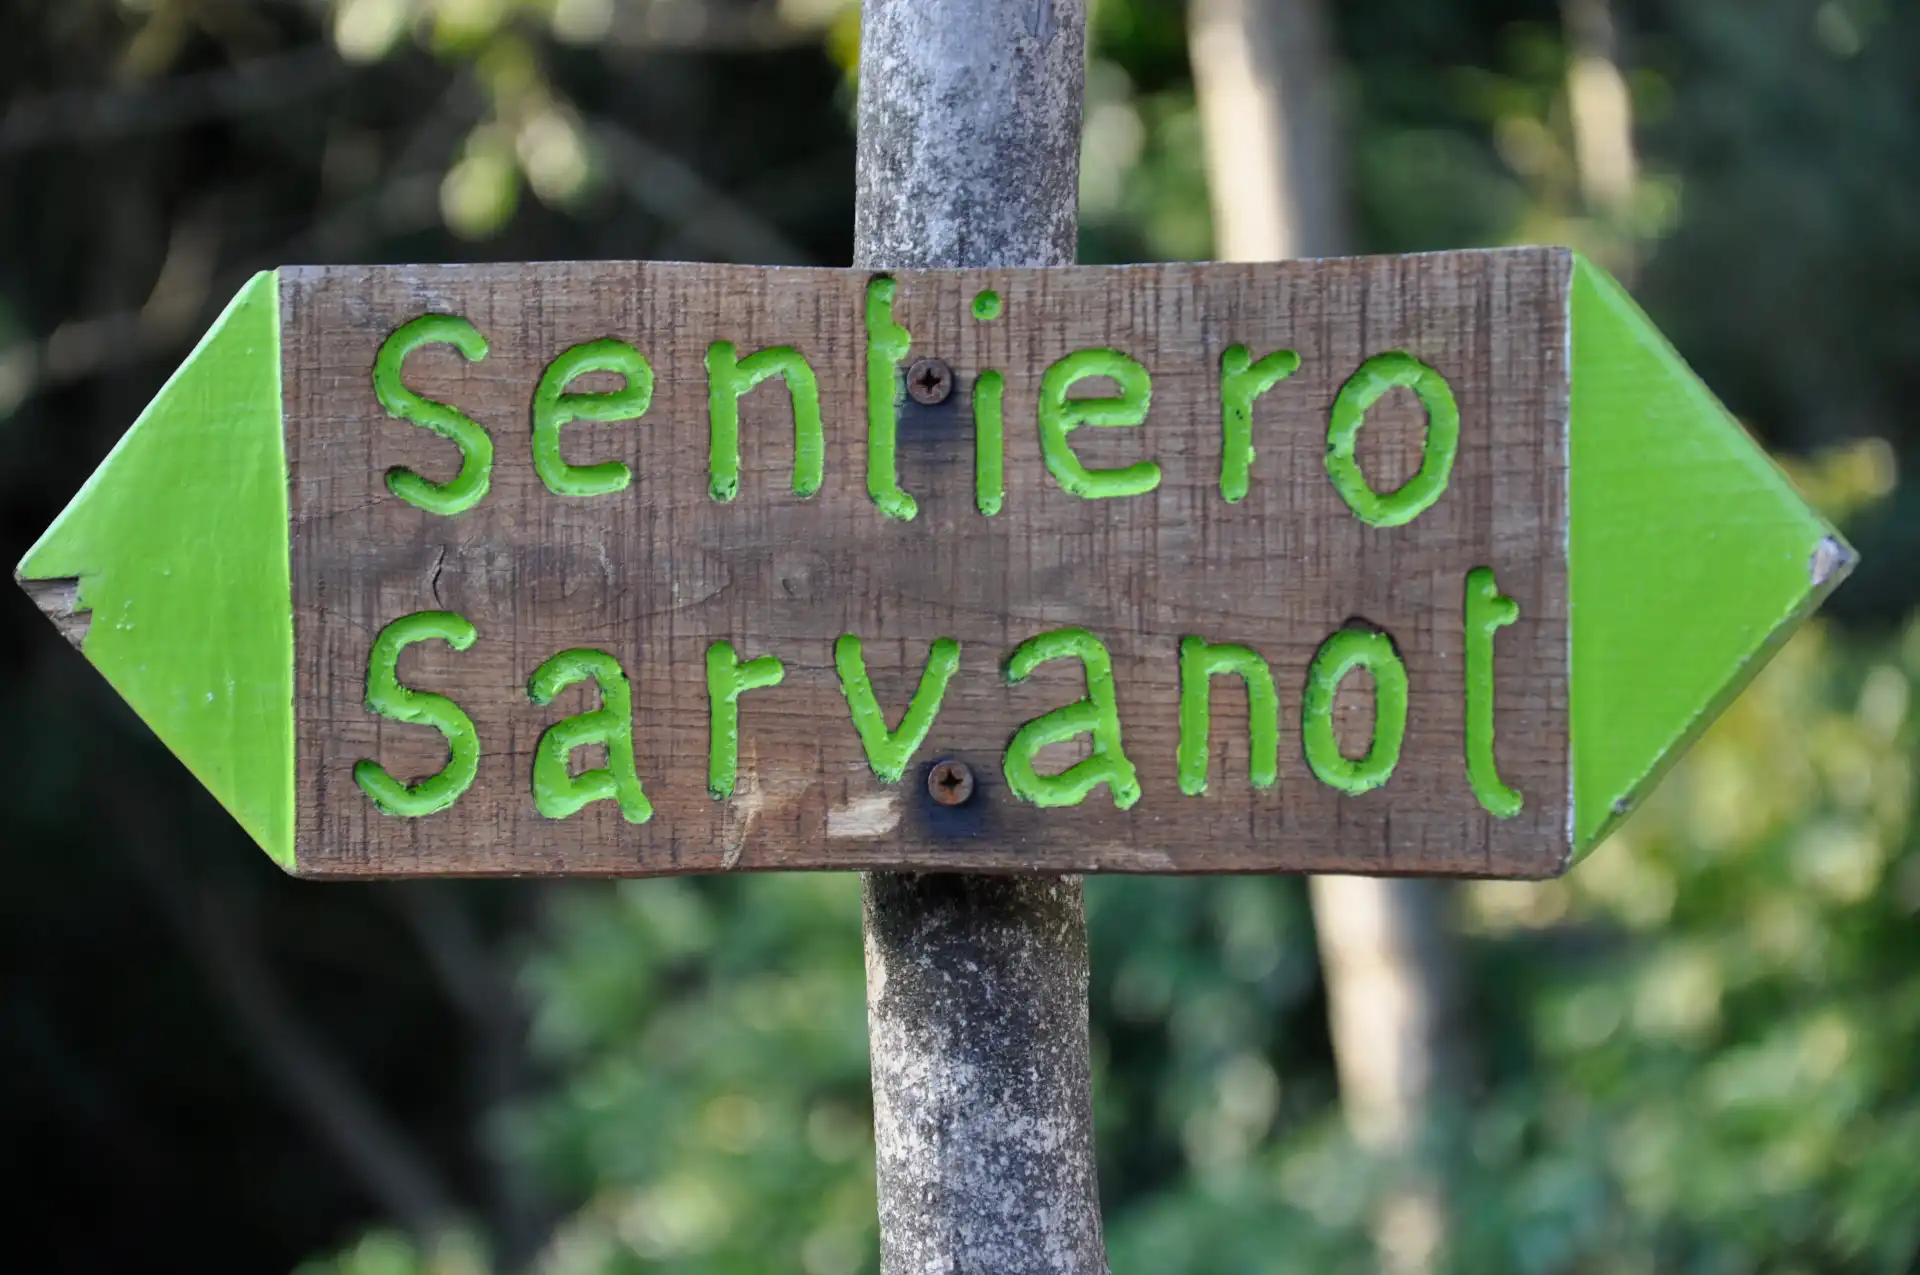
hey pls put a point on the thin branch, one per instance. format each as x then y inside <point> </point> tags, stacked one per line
<point>682,25</point>
<point>475,983</point>
<point>82,347</point>
<point>407,201</point>
<point>84,117</point>
<point>484,993</point>
<point>293,1057</point>
<point>663,185</point>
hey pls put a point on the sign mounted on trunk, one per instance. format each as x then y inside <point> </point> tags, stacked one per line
<point>1423,565</point>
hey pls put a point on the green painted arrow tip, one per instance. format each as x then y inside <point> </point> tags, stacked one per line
<point>169,569</point>
<point>1690,558</point>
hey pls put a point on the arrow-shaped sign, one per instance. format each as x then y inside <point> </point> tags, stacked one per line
<point>1426,564</point>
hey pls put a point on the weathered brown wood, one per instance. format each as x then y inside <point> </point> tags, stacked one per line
<point>655,573</point>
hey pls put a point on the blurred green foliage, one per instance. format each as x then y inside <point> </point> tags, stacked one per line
<point>1695,1054</point>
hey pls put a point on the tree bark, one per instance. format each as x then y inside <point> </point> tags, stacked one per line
<point>969,121</point>
<point>969,143</point>
<point>983,1114</point>
<point>1264,73</point>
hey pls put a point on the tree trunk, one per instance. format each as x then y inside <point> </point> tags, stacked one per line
<point>969,145</point>
<point>1600,106</point>
<point>1264,73</point>
<point>1392,978</point>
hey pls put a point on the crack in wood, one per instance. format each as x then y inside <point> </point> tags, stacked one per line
<point>59,601</point>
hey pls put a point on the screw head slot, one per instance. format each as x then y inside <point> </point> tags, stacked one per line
<point>950,783</point>
<point>929,381</point>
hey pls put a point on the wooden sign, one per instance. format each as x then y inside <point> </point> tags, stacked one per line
<point>1405,565</point>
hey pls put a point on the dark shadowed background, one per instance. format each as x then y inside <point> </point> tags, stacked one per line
<point>1697,1053</point>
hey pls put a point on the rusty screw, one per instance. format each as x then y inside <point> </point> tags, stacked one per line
<point>950,783</point>
<point>929,381</point>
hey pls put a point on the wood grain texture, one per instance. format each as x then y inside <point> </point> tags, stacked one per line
<point>657,572</point>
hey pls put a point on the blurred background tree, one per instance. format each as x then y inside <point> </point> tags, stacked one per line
<point>1696,1053</point>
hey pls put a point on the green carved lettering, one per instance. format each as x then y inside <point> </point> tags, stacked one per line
<point>397,703</point>
<point>1344,652</point>
<point>1061,415</point>
<point>469,486</point>
<point>887,344</point>
<point>729,377</point>
<point>553,407</point>
<point>989,443</point>
<point>1095,715</point>
<point>1377,377</point>
<point>1241,382</point>
<point>557,792</point>
<point>891,752</point>
<point>1200,663</point>
<point>729,677</point>
<point>1487,613</point>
